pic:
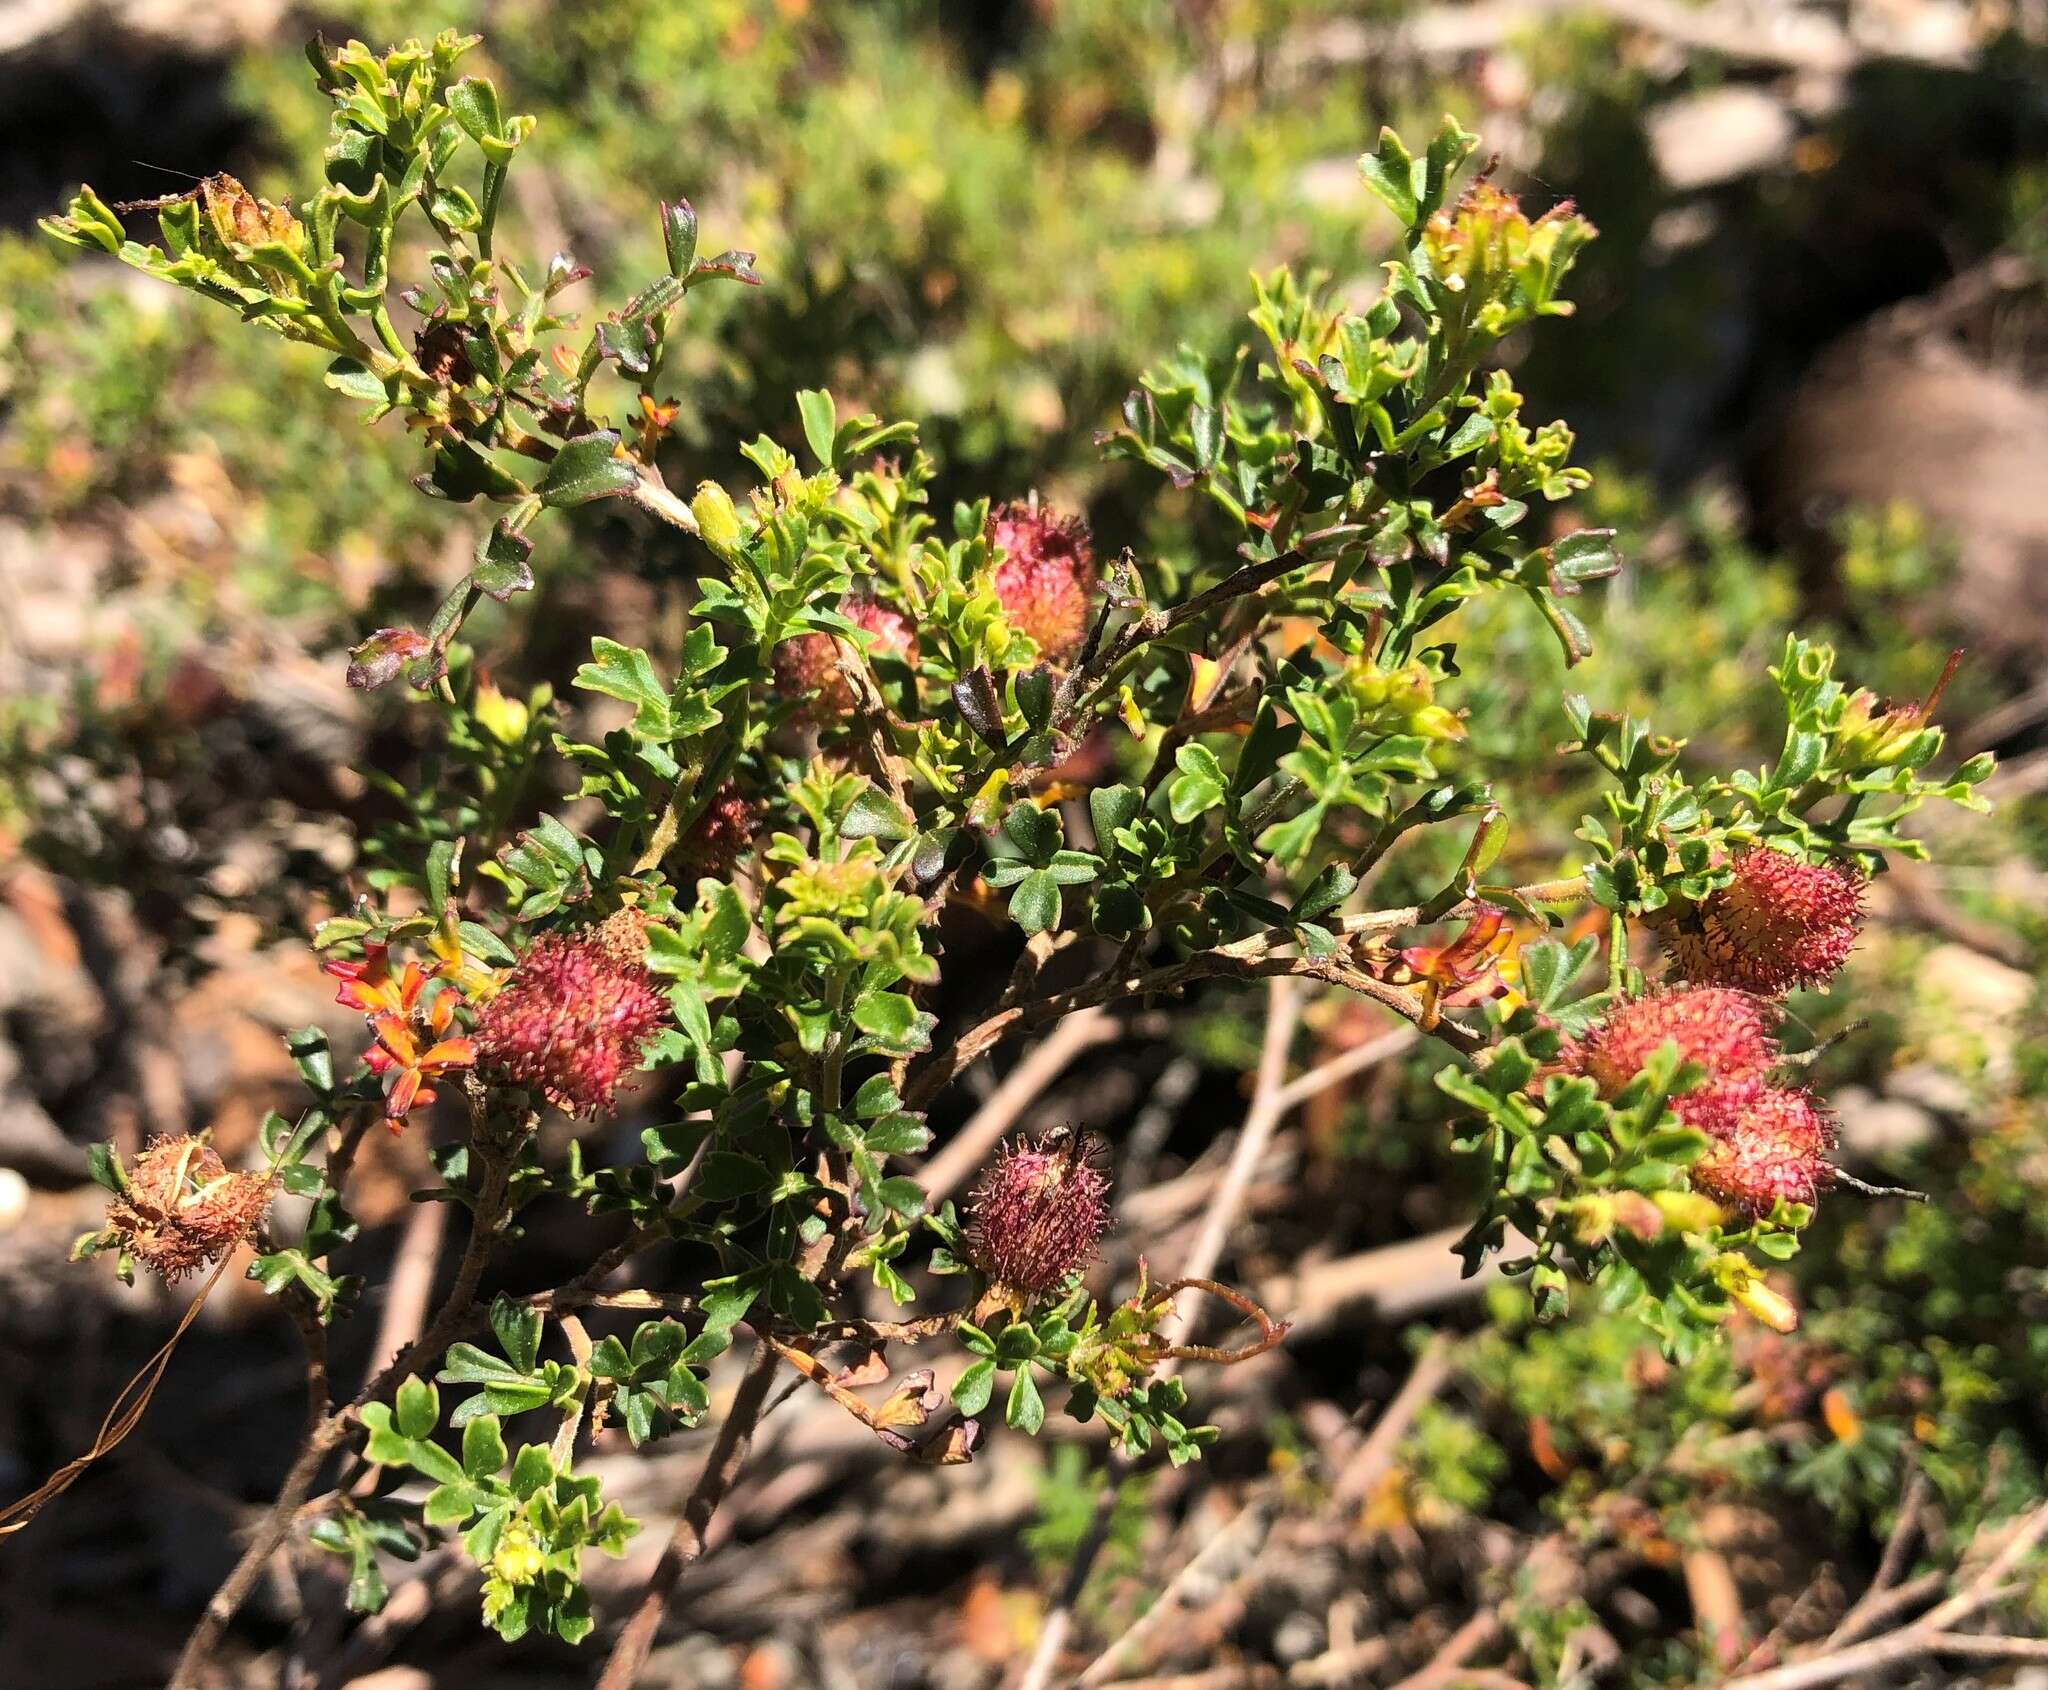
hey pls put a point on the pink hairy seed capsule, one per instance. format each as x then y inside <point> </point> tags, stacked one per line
<point>573,1020</point>
<point>1772,1145</point>
<point>1725,1031</point>
<point>1047,579</point>
<point>1781,923</point>
<point>1038,1213</point>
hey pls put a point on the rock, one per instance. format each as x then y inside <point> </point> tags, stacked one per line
<point>31,1144</point>
<point>1934,1089</point>
<point>1718,134</point>
<point>221,26</point>
<point>393,1678</point>
<point>1889,415</point>
<point>1880,1127</point>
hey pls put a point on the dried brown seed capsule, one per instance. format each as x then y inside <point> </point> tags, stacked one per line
<point>183,1208</point>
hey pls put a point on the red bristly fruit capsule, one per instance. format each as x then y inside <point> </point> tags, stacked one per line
<point>1038,1213</point>
<point>1725,1031</point>
<point>1046,580</point>
<point>807,668</point>
<point>1781,923</point>
<point>1773,1145</point>
<point>720,836</point>
<point>572,1021</point>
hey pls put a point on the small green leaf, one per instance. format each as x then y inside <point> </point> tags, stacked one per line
<point>103,1163</point>
<point>1035,905</point>
<point>533,1469</point>
<point>974,1387</point>
<point>1025,1411</point>
<point>1199,786</point>
<point>517,1327</point>
<point>627,674</point>
<point>875,815</point>
<point>356,379</point>
<point>679,235</point>
<point>1391,174</point>
<point>474,104</point>
<point>820,423</point>
<point>483,1447</point>
<point>726,1174</point>
<point>587,468</point>
<point>419,1408</point>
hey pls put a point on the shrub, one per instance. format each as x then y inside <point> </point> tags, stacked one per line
<point>1177,775</point>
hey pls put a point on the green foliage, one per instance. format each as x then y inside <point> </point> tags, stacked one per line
<point>1314,698</point>
<point>524,1521</point>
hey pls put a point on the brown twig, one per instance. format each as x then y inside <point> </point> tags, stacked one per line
<point>686,1542</point>
<point>1930,1634</point>
<point>1283,1010</point>
<point>1243,1675</point>
<point>1375,1457</point>
<point>1447,1665</point>
<point>412,1281</point>
<point>327,1436</point>
<point>968,1148</point>
<point>1241,1537</point>
<point>1890,1566</point>
<point>1283,1014</point>
<point>1254,958</point>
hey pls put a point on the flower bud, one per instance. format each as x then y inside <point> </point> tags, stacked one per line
<point>718,523</point>
<point>505,719</point>
<point>572,1021</point>
<point>1688,1211</point>
<point>1046,579</point>
<point>242,220</point>
<point>1780,923</point>
<point>1737,1275</point>
<point>439,350</point>
<point>517,1560</point>
<point>1038,1213</point>
<point>1400,701</point>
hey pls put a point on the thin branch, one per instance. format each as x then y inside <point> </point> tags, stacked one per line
<point>1239,1540</point>
<point>1248,959</point>
<point>1020,1088</point>
<point>1375,1457</point>
<point>1283,1011</point>
<point>1283,1014</point>
<point>1891,1564</point>
<point>1447,1665</point>
<point>686,1542</point>
<point>1927,1635</point>
<point>328,1436</point>
<point>1989,1648</point>
<point>652,495</point>
<point>1356,1060</point>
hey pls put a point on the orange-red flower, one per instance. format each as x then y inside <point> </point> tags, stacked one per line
<point>1467,970</point>
<point>413,1047</point>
